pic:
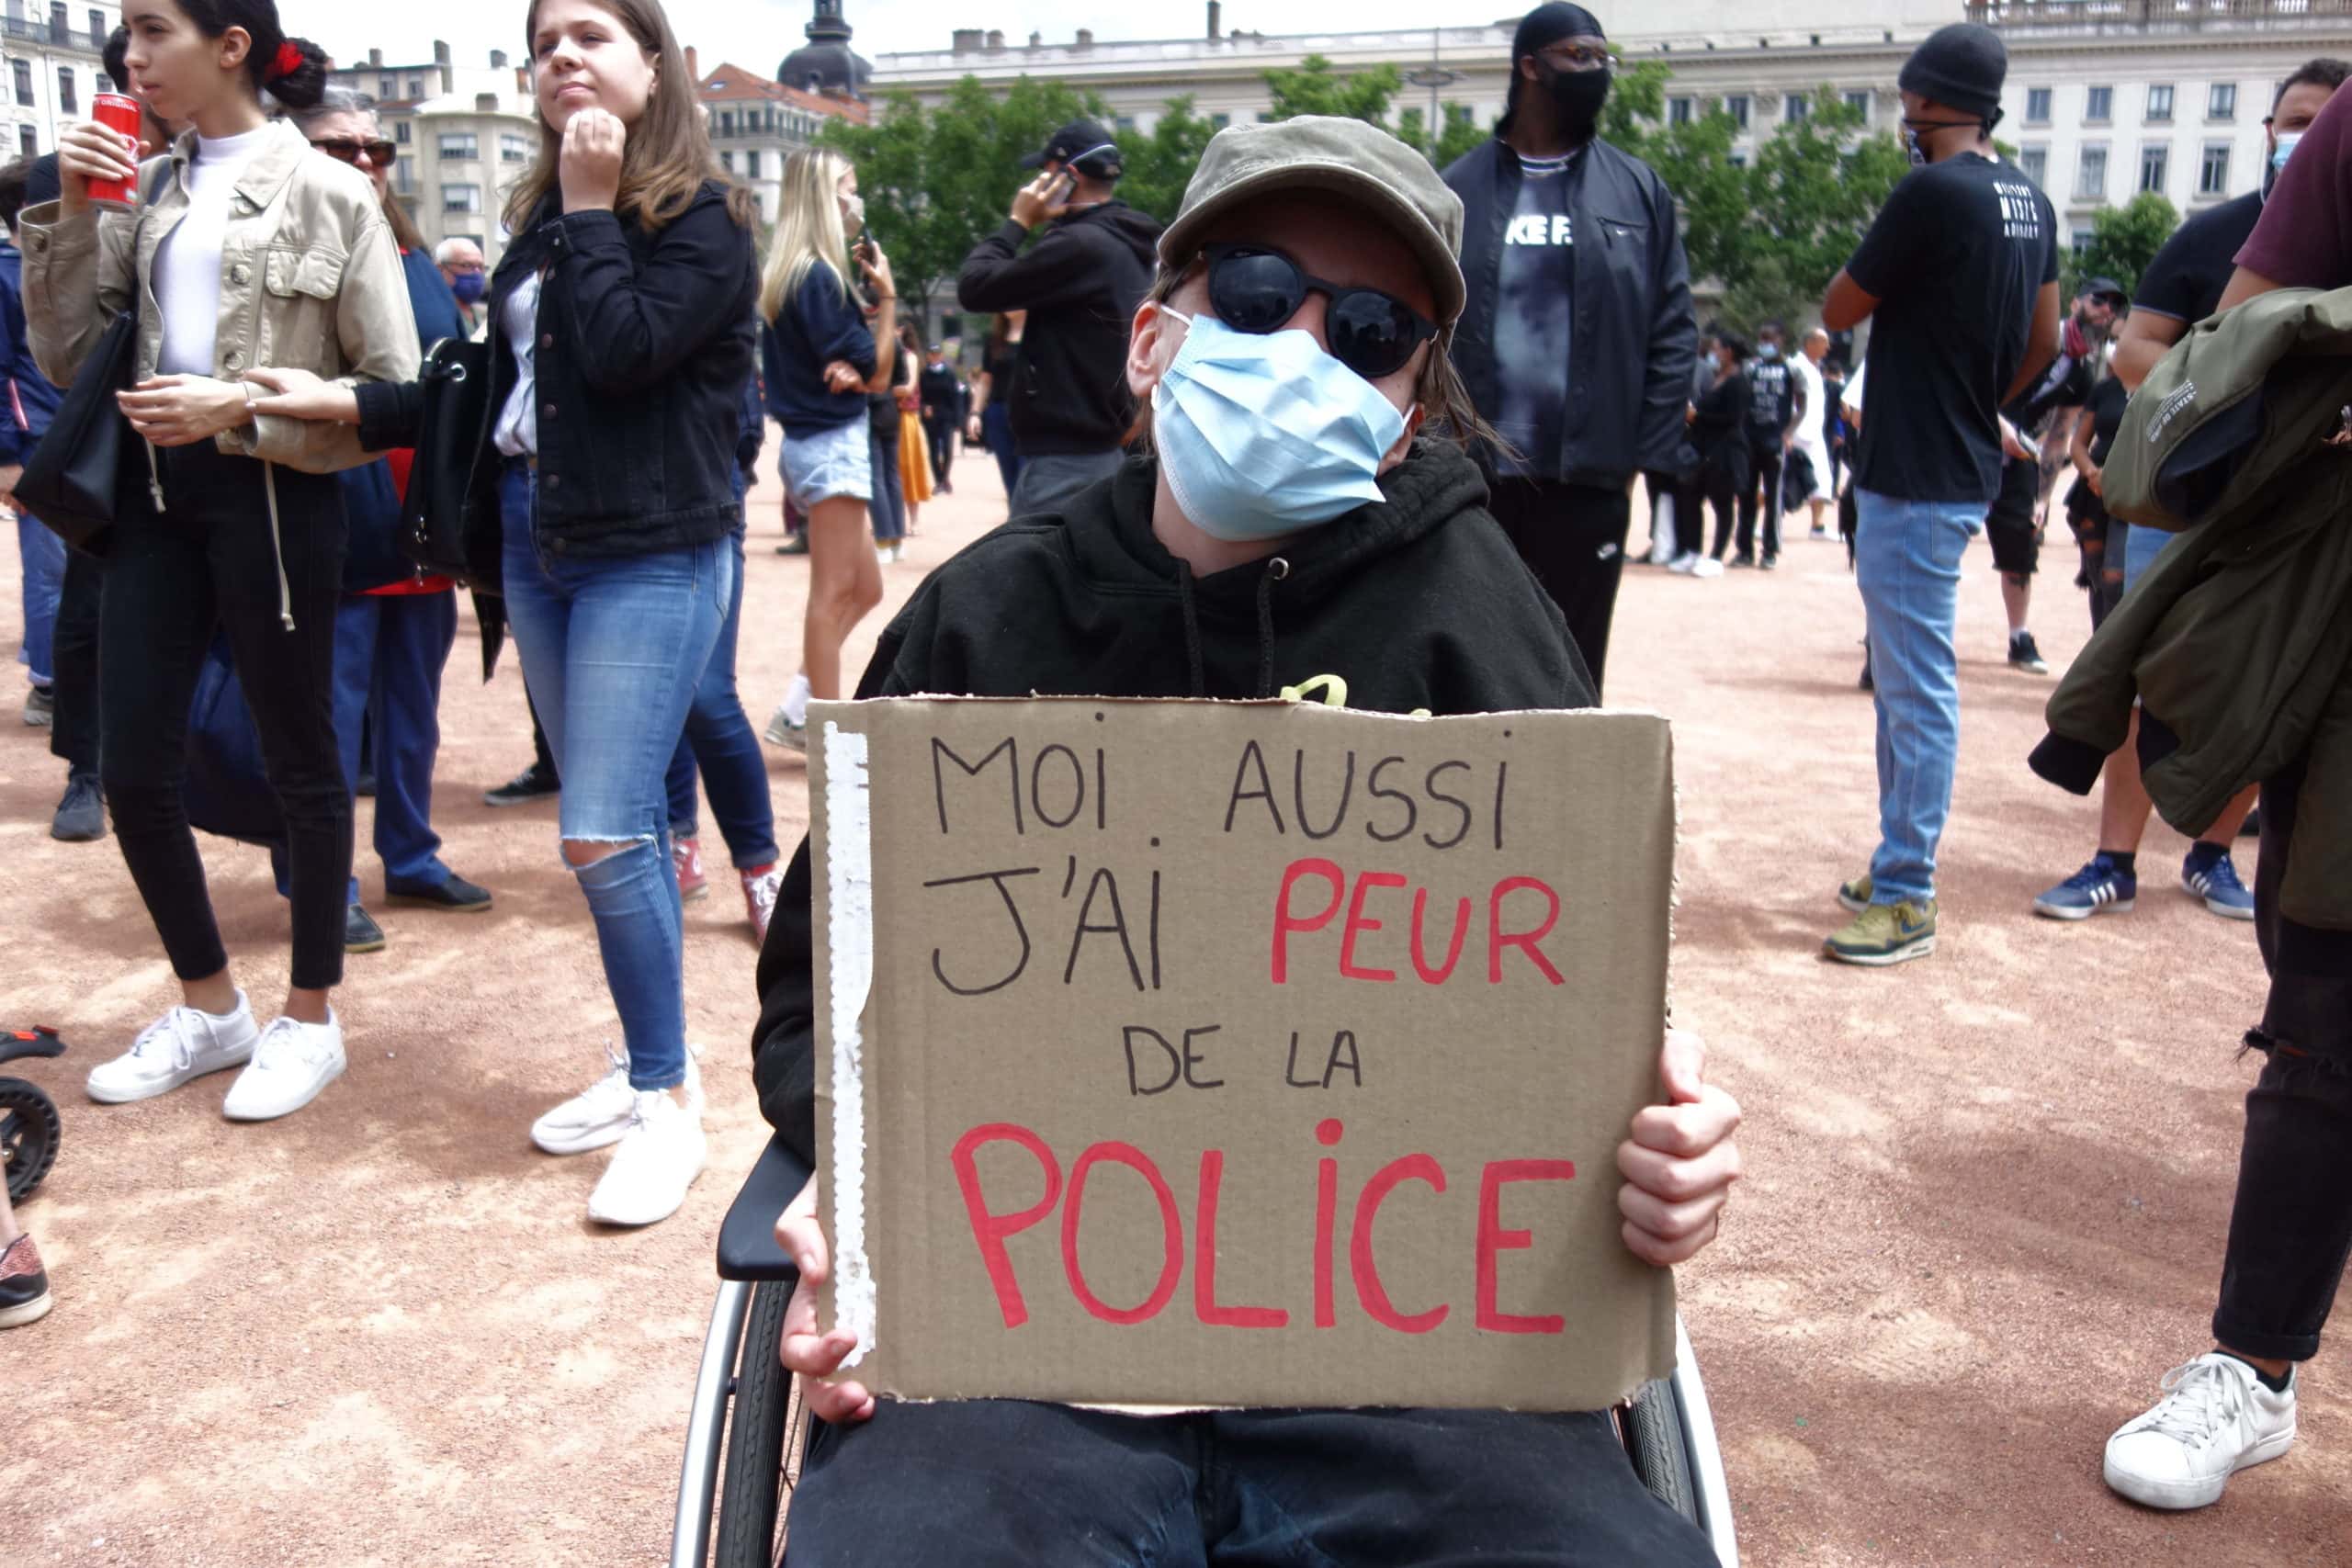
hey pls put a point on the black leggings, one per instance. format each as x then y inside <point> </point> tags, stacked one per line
<point>1764,456</point>
<point>1720,484</point>
<point>75,736</point>
<point>204,562</point>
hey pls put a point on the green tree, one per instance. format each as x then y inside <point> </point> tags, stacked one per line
<point>2124,240</point>
<point>1314,88</point>
<point>1460,133</point>
<point>1161,165</point>
<point>1814,190</point>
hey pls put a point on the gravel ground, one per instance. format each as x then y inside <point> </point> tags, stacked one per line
<point>1985,1210</point>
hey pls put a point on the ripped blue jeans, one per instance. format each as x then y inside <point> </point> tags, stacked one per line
<point>613,648</point>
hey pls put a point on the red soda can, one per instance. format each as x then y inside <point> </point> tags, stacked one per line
<point>118,112</point>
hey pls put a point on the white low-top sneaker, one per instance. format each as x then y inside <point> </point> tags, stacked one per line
<point>594,1117</point>
<point>186,1042</point>
<point>292,1063</point>
<point>2214,1420</point>
<point>659,1158</point>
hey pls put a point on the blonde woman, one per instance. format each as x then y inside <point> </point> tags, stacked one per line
<point>830,361</point>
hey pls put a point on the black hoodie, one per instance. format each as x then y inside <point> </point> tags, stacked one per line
<point>1417,601</point>
<point>1080,284</point>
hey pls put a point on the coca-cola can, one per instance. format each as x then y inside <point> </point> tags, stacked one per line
<point>118,112</point>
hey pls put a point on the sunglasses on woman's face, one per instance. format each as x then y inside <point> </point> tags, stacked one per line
<point>343,148</point>
<point>1257,289</point>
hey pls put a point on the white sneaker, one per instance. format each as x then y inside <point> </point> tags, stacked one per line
<point>657,1159</point>
<point>291,1064</point>
<point>1706,566</point>
<point>781,731</point>
<point>1683,563</point>
<point>186,1042</point>
<point>594,1117</point>
<point>2214,1420</point>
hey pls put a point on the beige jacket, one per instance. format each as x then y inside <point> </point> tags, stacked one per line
<point>309,278</point>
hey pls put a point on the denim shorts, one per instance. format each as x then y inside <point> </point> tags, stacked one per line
<point>828,465</point>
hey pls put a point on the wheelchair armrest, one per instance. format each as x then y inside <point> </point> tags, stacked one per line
<point>747,1248</point>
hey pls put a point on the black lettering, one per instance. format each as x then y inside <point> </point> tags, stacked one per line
<point>1011,907</point>
<point>1299,795</point>
<point>1037,786</point>
<point>1102,790</point>
<point>1290,1068</point>
<point>1102,879</point>
<point>972,770</point>
<point>1193,1060</point>
<point>1265,790</point>
<point>1373,787</point>
<point>1459,805</point>
<point>1175,1063</point>
<point>1343,1056</point>
<point>1502,772</point>
<point>1155,926</point>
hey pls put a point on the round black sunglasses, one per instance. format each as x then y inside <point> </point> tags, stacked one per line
<point>1255,288</point>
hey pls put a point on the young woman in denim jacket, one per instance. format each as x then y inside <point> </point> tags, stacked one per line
<point>622,331</point>
<point>249,244</point>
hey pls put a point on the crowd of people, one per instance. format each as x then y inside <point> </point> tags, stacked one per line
<point>1324,420</point>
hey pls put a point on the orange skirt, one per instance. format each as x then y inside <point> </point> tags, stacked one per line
<point>914,459</point>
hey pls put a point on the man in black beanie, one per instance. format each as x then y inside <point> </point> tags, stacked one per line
<point>1959,277</point>
<point>1577,342</point>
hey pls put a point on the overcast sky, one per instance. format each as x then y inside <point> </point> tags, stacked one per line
<point>757,34</point>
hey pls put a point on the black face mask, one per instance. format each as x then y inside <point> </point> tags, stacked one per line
<point>1577,97</point>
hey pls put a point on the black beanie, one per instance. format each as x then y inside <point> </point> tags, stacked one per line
<point>1961,66</point>
<point>1548,24</point>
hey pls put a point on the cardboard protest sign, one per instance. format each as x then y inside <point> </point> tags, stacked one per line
<point>1238,1054</point>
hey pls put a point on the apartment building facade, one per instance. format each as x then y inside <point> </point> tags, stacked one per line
<point>49,68</point>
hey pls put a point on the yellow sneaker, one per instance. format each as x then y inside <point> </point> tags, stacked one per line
<point>1886,933</point>
<point>1855,895</point>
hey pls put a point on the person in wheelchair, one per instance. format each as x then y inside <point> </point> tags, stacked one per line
<point>1302,505</point>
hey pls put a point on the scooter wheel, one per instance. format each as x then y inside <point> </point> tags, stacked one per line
<point>29,1132</point>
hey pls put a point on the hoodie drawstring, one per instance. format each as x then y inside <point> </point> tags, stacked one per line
<point>1276,570</point>
<point>277,546</point>
<point>154,477</point>
<point>1192,628</point>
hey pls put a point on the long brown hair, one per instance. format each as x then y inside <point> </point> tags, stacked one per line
<point>667,157</point>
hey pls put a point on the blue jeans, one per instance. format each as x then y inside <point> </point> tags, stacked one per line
<point>1907,563</point>
<point>718,739</point>
<point>2141,545</point>
<point>613,648</point>
<point>889,507</point>
<point>996,426</point>
<point>390,651</point>
<point>42,555</point>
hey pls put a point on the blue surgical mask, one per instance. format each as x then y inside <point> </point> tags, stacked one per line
<point>1264,434</point>
<point>468,288</point>
<point>2286,140</point>
<point>1769,351</point>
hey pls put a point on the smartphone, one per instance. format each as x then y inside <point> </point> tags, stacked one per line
<point>1064,188</point>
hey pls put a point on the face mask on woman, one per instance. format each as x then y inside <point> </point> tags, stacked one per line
<point>1263,434</point>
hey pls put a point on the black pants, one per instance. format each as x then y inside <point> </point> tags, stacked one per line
<point>1720,482</point>
<point>1573,538</point>
<point>1690,517</point>
<point>542,754</point>
<point>2290,1229</point>
<point>940,434</point>
<point>1764,455</point>
<point>1000,1483</point>
<point>75,653</point>
<point>170,579</point>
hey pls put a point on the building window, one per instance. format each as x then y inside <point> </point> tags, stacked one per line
<point>1265,117</point>
<point>726,159</point>
<point>2081,239</point>
<point>66,102</point>
<point>1124,122</point>
<point>27,140</point>
<point>1860,102</point>
<point>2034,163</point>
<point>460,198</point>
<point>1677,111</point>
<point>2090,176</point>
<point>459,144</point>
<point>2036,106</point>
<point>513,149</point>
<point>416,86</point>
<point>1737,106</point>
<point>726,122</point>
<point>400,132</point>
<point>2222,101</point>
<point>1795,107</point>
<point>1220,120</point>
<point>58,31</point>
<point>2098,104</point>
<point>1739,159</point>
<point>751,163</point>
<point>23,71</point>
<point>97,28</point>
<point>2155,163</point>
<point>2214,171</point>
<point>387,87</point>
<point>403,174</point>
<point>2160,101</point>
<point>101,82</point>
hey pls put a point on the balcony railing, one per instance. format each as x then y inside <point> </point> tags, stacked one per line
<point>2150,16</point>
<point>57,35</point>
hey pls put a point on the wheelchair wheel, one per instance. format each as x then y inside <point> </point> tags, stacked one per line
<point>29,1132</point>
<point>752,1486</point>
<point>1654,1442</point>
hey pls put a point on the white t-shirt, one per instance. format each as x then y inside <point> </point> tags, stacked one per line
<point>517,434</point>
<point>186,279</point>
<point>1809,424</point>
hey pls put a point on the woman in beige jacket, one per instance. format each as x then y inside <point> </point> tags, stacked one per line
<point>249,250</point>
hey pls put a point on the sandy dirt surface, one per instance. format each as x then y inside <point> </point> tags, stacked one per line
<point>1985,1213</point>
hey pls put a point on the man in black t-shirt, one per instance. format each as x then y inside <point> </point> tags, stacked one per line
<point>1773,407</point>
<point>943,411</point>
<point>1959,277</point>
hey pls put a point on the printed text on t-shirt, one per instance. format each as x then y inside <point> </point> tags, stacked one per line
<point>1536,228</point>
<point>2020,217</point>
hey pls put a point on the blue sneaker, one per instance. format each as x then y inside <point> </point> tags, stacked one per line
<point>2098,886</point>
<point>2217,883</point>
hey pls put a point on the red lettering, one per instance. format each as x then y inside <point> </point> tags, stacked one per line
<point>990,1230</point>
<point>1327,1133</point>
<point>1453,949</point>
<point>1369,1290</point>
<point>1493,1238</point>
<point>1286,922</point>
<point>1356,922</point>
<point>1497,939</point>
<point>1171,1226</point>
<point>1204,1260</point>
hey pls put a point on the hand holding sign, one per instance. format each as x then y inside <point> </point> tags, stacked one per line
<point>805,1353</point>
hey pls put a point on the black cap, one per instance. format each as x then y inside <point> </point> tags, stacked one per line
<point>1961,66</point>
<point>1548,24</point>
<point>1084,146</point>
<point>2104,289</point>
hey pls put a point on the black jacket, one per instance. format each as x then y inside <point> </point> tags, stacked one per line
<point>1418,602</point>
<point>1080,284</point>
<point>645,345</point>
<point>942,394</point>
<point>1634,338</point>
<point>1718,430</point>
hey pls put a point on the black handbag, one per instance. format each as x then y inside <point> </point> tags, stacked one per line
<point>70,479</point>
<point>441,529</point>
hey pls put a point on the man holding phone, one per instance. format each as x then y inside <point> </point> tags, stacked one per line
<point>1081,282</point>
